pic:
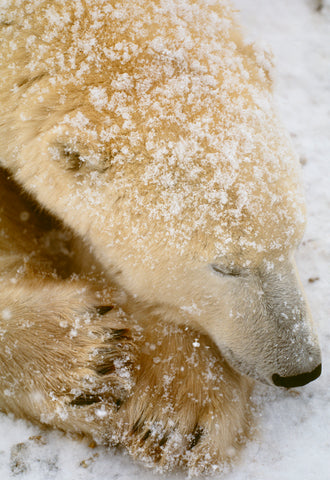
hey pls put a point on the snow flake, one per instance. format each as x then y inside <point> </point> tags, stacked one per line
<point>98,97</point>
<point>6,314</point>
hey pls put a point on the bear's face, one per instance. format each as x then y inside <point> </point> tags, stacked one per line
<point>225,267</point>
<point>157,141</point>
<point>258,316</point>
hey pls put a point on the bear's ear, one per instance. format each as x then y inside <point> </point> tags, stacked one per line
<point>265,61</point>
<point>261,63</point>
<point>69,157</point>
<point>76,157</point>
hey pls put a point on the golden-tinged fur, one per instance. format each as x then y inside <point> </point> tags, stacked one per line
<point>72,358</point>
<point>150,208</point>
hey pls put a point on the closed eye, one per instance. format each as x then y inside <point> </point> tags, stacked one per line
<point>226,270</point>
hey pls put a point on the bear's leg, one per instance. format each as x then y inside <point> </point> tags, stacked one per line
<point>188,406</point>
<point>63,342</point>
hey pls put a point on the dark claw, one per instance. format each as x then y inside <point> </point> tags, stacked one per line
<point>146,435</point>
<point>118,403</point>
<point>103,309</point>
<point>137,426</point>
<point>85,399</point>
<point>120,333</point>
<point>163,440</point>
<point>196,436</point>
<point>105,368</point>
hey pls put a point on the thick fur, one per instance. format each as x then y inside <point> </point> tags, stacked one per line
<point>73,359</point>
<point>147,130</point>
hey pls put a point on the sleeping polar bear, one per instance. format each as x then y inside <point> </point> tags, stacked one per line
<point>150,209</point>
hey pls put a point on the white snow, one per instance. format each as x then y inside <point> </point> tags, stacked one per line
<point>6,314</point>
<point>292,440</point>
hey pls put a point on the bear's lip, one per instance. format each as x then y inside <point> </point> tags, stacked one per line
<point>297,380</point>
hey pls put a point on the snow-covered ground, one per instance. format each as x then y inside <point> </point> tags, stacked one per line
<point>293,432</point>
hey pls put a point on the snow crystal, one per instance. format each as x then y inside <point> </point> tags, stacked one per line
<point>24,216</point>
<point>6,314</point>
<point>73,332</point>
<point>121,369</point>
<point>292,445</point>
<point>180,109</point>
<point>101,412</point>
<point>98,97</point>
<point>191,309</point>
<point>79,120</point>
<point>37,397</point>
<point>122,82</point>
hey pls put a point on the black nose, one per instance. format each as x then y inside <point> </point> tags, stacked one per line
<point>297,380</point>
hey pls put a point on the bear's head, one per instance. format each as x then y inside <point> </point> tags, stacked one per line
<point>150,130</point>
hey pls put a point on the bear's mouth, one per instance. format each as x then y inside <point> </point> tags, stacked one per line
<point>292,381</point>
<point>297,380</point>
<point>244,367</point>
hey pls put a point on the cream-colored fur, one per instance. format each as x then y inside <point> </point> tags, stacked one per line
<point>148,129</point>
<point>73,359</point>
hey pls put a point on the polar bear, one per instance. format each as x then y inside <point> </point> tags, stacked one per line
<point>151,207</point>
